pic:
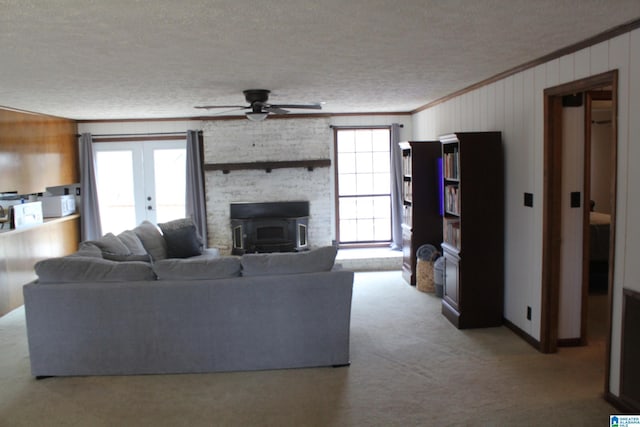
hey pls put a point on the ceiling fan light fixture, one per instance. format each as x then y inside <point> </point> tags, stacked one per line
<point>257,117</point>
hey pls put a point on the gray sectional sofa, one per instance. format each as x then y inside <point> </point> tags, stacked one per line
<point>90,315</point>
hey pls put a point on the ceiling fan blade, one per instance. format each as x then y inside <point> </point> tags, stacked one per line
<point>211,107</point>
<point>275,109</point>
<point>316,106</point>
<point>222,113</point>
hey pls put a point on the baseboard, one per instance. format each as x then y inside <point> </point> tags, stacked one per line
<point>621,405</point>
<point>522,334</point>
<point>570,342</point>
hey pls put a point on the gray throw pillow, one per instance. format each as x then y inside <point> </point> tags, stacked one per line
<point>88,249</point>
<point>110,243</point>
<point>197,268</point>
<point>152,240</point>
<point>315,260</point>
<point>132,242</point>
<point>91,269</point>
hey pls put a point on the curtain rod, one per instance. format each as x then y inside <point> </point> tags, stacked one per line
<point>363,127</point>
<point>123,135</point>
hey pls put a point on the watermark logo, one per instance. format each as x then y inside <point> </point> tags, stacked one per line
<point>624,420</point>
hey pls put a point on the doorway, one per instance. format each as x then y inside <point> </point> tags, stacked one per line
<point>139,181</point>
<point>557,200</point>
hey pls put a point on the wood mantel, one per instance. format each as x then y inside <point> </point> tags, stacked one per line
<point>268,166</point>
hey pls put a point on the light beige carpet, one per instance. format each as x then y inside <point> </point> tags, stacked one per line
<point>410,367</point>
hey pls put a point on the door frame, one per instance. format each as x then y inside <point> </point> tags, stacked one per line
<point>143,173</point>
<point>552,206</point>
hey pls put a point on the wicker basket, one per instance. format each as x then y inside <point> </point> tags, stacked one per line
<point>424,276</point>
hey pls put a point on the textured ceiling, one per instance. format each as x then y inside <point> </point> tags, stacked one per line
<point>98,59</point>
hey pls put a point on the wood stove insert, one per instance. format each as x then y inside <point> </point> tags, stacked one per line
<point>269,227</point>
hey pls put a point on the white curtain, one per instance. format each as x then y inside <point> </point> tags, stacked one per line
<point>90,228</point>
<point>195,194</point>
<point>396,188</point>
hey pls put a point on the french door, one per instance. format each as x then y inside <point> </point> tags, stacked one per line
<point>139,181</point>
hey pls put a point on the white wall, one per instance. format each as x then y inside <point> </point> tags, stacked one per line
<point>514,105</point>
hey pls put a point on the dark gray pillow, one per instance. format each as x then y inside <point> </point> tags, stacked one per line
<point>315,260</point>
<point>152,240</point>
<point>197,268</point>
<point>182,239</point>
<point>91,269</point>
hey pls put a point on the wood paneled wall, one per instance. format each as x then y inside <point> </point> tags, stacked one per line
<point>36,152</point>
<point>21,249</point>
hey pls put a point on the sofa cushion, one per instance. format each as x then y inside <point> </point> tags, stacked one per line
<point>182,238</point>
<point>315,260</point>
<point>152,240</point>
<point>197,268</point>
<point>129,257</point>
<point>91,269</point>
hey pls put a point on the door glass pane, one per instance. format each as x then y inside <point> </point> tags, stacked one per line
<point>170,183</point>
<point>114,178</point>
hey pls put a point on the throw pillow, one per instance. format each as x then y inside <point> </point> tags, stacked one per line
<point>182,243</point>
<point>197,268</point>
<point>91,269</point>
<point>182,238</point>
<point>315,260</point>
<point>109,243</point>
<point>87,249</point>
<point>152,240</point>
<point>132,242</point>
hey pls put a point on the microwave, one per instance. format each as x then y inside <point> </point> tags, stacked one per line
<point>57,206</point>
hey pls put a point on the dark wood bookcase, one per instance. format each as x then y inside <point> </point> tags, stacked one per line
<point>473,229</point>
<point>421,220</point>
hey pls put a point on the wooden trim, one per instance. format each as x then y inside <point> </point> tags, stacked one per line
<point>570,342</point>
<point>612,227</point>
<point>551,223</point>
<point>267,166</point>
<point>628,296</point>
<point>551,210</point>
<point>620,405</point>
<point>242,117</point>
<point>522,334</point>
<point>598,38</point>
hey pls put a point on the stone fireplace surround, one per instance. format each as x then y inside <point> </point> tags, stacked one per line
<point>277,140</point>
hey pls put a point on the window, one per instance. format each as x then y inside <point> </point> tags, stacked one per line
<point>139,181</point>
<point>363,182</point>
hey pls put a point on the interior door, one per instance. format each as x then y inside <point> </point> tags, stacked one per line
<point>139,181</point>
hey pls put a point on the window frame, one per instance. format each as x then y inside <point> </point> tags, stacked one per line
<point>371,243</point>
